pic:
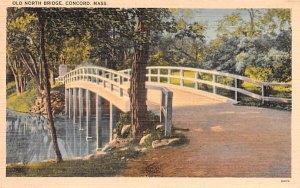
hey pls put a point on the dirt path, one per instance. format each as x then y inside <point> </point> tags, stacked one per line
<point>225,141</point>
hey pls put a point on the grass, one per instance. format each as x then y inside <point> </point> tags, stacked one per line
<point>57,84</point>
<point>10,88</point>
<point>21,102</point>
<point>24,101</point>
<point>109,165</point>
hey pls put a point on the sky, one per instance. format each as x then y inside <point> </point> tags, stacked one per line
<point>212,16</point>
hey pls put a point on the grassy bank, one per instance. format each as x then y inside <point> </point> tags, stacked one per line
<point>107,166</point>
<point>24,101</point>
<point>21,102</point>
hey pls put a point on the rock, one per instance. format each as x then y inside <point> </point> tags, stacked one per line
<point>57,101</point>
<point>165,142</point>
<point>178,132</point>
<point>144,139</point>
<point>159,143</point>
<point>99,154</point>
<point>111,145</point>
<point>122,158</point>
<point>38,102</point>
<point>137,148</point>
<point>143,150</point>
<point>124,149</point>
<point>174,141</point>
<point>125,130</point>
<point>88,157</point>
<point>116,143</point>
<point>160,127</point>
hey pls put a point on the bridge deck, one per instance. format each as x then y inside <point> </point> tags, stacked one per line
<point>225,140</point>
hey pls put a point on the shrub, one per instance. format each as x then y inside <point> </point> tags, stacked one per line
<point>125,119</point>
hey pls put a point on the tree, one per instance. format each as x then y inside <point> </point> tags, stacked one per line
<point>149,22</point>
<point>19,72</point>
<point>17,40</point>
<point>42,19</point>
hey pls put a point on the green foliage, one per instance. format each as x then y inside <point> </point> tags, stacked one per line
<point>158,59</point>
<point>77,50</point>
<point>21,102</point>
<point>259,73</point>
<point>225,80</point>
<point>125,119</point>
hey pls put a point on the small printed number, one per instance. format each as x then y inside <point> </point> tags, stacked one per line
<point>285,181</point>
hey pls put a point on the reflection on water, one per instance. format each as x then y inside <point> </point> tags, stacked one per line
<point>28,138</point>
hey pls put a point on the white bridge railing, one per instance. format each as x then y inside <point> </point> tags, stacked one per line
<point>118,84</point>
<point>194,78</point>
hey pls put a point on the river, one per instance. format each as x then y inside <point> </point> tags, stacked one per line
<point>28,138</point>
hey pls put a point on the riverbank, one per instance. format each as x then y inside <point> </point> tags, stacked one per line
<point>32,101</point>
<point>111,161</point>
<point>107,166</point>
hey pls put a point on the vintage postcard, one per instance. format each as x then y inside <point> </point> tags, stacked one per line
<point>149,93</point>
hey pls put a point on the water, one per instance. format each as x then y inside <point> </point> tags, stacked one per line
<point>28,138</point>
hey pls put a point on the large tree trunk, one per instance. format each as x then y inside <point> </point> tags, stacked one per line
<point>45,71</point>
<point>138,92</point>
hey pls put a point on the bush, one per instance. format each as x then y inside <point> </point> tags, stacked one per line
<point>125,119</point>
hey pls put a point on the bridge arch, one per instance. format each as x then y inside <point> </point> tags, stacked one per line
<point>109,85</point>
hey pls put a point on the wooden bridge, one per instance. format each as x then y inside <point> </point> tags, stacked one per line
<point>191,98</point>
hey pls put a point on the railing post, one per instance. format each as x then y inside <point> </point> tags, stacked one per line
<point>169,74</point>
<point>111,76</point>
<point>181,77</point>
<point>214,86</point>
<point>98,121</point>
<point>168,119</point>
<point>196,80</point>
<point>74,104</point>
<point>149,75</point>
<point>88,115</point>
<point>121,82</point>
<point>235,89</point>
<point>162,103</point>
<point>158,75</point>
<point>262,94</point>
<point>80,106</point>
<point>112,120</point>
<point>104,76</point>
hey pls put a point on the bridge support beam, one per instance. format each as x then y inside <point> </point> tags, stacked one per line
<point>112,120</point>
<point>88,115</point>
<point>80,107</point>
<point>66,102</point>
<point>74,105</point>
<point>70,103</point>
<point>99,121</point>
